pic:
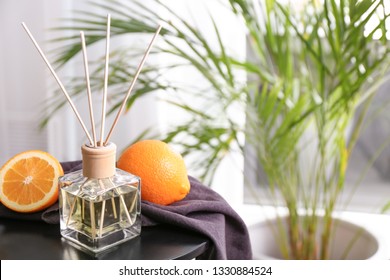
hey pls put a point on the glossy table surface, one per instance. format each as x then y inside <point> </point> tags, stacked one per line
<point>30,240</point>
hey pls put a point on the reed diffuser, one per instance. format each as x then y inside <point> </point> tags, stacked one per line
<point>100,205</point>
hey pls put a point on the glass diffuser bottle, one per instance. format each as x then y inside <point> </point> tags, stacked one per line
<point>100,205</point>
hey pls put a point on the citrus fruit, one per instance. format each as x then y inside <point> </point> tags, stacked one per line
<point>29,181</point>
<point>162,171</point>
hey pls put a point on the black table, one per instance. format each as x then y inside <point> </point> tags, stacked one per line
<point>30,240</point>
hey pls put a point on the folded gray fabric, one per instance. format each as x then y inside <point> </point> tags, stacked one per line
<point>202,211</point>
<point>205,212</point>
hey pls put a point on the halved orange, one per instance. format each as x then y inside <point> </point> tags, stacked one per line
<point>29,181</point>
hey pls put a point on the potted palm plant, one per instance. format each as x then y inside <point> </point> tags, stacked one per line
<point>307,73</point>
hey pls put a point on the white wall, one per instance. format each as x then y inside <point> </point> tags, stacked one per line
<point>23,85</point>
<point>26,83</point>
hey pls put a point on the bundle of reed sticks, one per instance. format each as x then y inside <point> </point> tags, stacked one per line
<point>93,139</point>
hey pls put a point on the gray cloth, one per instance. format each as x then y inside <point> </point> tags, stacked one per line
<point>202,211</point>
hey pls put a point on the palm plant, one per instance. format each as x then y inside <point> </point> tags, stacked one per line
<point>330,65</point>
<point>307,73</point>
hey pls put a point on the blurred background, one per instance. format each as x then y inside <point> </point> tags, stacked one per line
<point>26,85</point>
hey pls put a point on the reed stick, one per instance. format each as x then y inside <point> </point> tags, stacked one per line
<point>126,209</point>
<point>132,84</point>
<point>82,210</point>
<point>102,214</point>
<point>58,81</point>
<point>114,208</point>
<point>86,70</point>
<point>93,223</point>
<point>133,203</point>
<point>74,201</point>
<point>101,143</point>
<point>122,204</point>
<point>71,210</point>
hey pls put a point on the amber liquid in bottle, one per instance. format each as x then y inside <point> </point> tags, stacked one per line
<point>99,213</point>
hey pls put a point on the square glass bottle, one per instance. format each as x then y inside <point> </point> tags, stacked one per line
<point>100,205</point>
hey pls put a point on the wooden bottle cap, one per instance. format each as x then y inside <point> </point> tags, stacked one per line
<point>99,162</point>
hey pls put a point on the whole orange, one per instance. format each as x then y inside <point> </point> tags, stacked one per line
<point>162,171</point>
